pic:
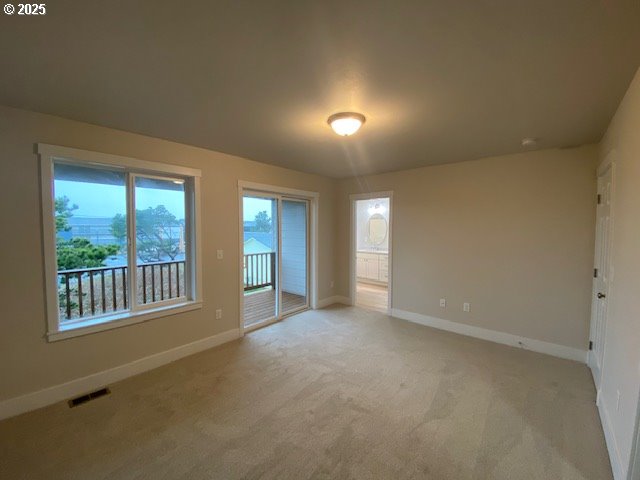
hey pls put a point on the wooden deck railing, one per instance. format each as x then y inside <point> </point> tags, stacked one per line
<point>95,291</point>
<point>259,270</point>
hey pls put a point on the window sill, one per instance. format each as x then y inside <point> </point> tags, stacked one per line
<point>121,320</point>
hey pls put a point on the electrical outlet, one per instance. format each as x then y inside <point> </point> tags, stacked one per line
<point>218,314</point>
<point>220,254</point>
<point>466,307</point>
<point>443,302</point>
<point>332,284</point>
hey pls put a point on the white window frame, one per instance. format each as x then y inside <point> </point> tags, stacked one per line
<point>50,154</point>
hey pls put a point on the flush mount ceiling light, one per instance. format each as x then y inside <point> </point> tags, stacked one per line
<point>529,142</point>
<point>346,123</point>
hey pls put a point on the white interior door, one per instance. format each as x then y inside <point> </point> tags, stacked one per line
<point>602,276</point>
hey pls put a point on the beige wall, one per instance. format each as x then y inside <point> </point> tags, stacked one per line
<point>622,347</point>
<point>512,235</point>
<point>27,361</point>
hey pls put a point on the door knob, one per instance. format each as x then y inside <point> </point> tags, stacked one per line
<point>601,295</point>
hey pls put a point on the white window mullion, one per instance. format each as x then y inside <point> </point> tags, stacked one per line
<point>194,245</point>
<point>188,238</point>
<point>131,244</point>
<point>279,258</point>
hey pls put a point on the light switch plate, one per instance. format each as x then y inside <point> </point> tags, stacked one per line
<point>220,254</point>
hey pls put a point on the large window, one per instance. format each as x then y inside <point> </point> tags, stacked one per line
<point>120,240</point>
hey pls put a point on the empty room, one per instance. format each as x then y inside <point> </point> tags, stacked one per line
<point>291,240</point>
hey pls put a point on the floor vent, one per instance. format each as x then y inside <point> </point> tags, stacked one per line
<point>74,402</point>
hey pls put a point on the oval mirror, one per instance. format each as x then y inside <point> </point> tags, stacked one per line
<point>377,229</point>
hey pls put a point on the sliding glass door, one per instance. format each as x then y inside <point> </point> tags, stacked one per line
<point>275,257</point>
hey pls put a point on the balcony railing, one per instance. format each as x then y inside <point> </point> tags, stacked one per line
<point>259,270</point>
<point>96,291</point>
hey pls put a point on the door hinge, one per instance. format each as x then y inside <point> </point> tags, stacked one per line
<point>599,199</point>
<point>595,273</point>
<point>590,345</point>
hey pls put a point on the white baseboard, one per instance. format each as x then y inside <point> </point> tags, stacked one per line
<point>619,472</point>
<point>494,336</point>
<point>41,398</point>
<point>325,302</point>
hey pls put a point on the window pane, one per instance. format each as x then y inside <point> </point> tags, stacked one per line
<point>260,259</point>
<point>160,239</point>
<point>91,232</point>
<point>294,255</point>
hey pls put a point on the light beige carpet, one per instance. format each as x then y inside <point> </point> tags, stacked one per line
<point>337,393</point>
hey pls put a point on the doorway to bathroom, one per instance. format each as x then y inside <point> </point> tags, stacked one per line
<point>371,252</point>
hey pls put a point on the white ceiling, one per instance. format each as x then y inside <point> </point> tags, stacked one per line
<point>439,81</point>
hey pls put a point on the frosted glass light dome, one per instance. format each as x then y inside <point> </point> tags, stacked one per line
<point>346,123</point>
